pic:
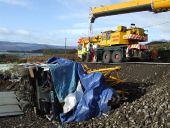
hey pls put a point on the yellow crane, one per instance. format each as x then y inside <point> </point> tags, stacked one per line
<point>114,46</point>
<point>123,43</point>
<point>130,7</point>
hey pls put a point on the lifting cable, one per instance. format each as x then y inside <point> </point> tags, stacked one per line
<point>150,26</point>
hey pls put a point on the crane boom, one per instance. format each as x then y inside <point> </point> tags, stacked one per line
<point>130,7</point>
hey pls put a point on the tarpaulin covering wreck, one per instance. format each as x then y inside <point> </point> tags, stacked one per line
<point>65,91</point>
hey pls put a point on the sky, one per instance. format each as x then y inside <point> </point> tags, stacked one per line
<point>51,21</point>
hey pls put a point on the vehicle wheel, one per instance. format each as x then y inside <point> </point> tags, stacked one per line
<point>106,57</point>
<point>116,57</point>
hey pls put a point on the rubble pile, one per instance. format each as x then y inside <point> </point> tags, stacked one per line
<point>9,81</point>
<point>150,110</point>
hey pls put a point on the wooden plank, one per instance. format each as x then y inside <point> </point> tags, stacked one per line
<point>10,110</point>
<point>9,105</point>
<point>8,94</point>
<point>8,101</point>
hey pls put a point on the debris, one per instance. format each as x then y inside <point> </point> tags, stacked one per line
<point>9,106</point>
<point>136,111</point>
<point>89,98</point>
<point>6,67</point>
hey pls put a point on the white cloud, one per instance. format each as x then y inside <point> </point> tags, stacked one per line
<point>78,9</point>
<point>4,31</point>
<point>18,32</point>
<point>8,34</point>
<point>67,3</point>
<point>15,2</point>
<point>22,32</point>
<point>23,35</point>
<point>81,25</point>
<point>71,15</point>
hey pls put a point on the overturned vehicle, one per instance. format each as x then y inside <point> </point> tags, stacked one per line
<point>68,91</point>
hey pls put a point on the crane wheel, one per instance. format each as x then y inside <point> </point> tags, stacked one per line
<point>106,57</point>
<point>116,56</point>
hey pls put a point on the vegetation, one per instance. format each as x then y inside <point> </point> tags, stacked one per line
<point>8,58</point>
<point>48,53</point>
<point>46,57</point>
<point>159,45</point>
<point>58,51</point>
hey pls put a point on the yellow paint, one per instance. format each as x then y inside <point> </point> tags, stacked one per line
<point>156,5</point>
<point>132,3</point>
<point>113,38</point>
<point>114,80</point>
<point>116,38</point>
<point>161,4</point>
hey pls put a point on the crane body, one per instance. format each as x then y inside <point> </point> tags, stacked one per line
<point>115,46</point>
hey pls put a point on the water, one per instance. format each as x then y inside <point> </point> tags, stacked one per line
<point>21,54</point>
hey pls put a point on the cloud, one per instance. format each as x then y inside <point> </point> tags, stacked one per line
<point>15,2</point>
<point>18,32</point>
<point>7,33</point>
<point>69,3</point>
<point>22,32</point>
<point>78,9</point>
<point>75,32</point>
<point>23,35</point>
<point>81,25</point>
<point>72,22</point>
<point>71,15</point>
<point>4,31</point>
<point>84,5</point>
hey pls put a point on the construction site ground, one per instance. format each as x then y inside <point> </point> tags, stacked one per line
<point>147,108</point>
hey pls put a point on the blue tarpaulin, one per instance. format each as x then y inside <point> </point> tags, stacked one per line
<point>65,75</point>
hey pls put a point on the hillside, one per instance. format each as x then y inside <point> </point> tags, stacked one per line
<point>159,45</point>
<point>19,46</point>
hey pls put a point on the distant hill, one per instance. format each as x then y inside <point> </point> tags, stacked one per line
<point>159,42</point>
<point>160,45</point>
<point>19,46</point>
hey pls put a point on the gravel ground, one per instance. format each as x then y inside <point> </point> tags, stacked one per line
<point>150,110</point>
<point>147,109</point>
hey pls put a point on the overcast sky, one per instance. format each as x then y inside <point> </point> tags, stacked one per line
<point>50,21</point>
